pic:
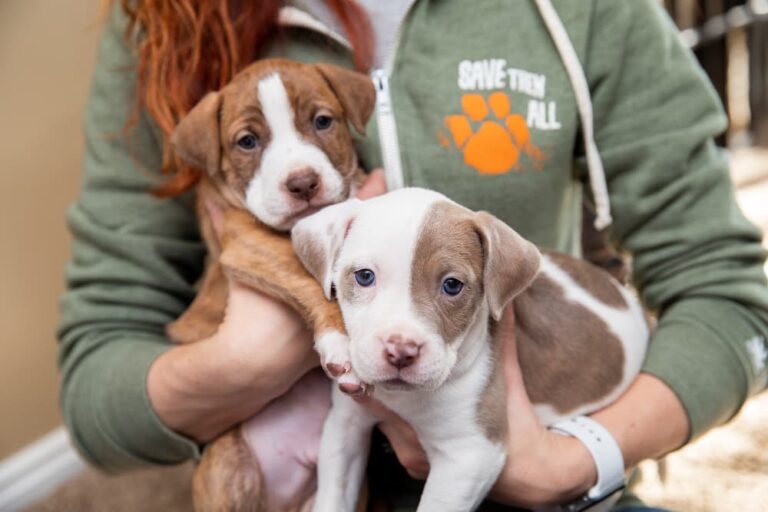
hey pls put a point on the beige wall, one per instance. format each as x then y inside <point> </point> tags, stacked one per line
<point>47,49</point>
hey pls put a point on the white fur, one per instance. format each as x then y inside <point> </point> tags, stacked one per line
<point>266,196</point>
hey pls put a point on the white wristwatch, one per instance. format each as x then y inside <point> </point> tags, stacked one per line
<point>607,456</point>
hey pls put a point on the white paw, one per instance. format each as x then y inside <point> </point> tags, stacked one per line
<point>333,348</point>
<point>351,384</point>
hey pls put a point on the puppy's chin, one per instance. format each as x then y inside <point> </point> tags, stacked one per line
<point>407,379</point>
<point>285,219</point>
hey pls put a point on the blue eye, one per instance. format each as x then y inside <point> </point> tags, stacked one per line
<point>452,286</point>
<point>248,142</point>
<point>365,277</point>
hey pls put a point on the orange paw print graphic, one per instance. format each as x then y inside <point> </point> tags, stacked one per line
<point>497,146</point>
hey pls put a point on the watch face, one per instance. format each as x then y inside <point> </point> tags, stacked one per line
<point>586,503</point>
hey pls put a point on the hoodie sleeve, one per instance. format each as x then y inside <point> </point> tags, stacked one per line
<point>697,261</point>
<point>134,259</point>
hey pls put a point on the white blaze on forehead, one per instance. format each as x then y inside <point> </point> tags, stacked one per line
<point>286,152</point>
<point>276,107</point>
<point>387,230</point>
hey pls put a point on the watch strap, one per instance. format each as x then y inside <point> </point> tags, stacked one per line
<point>604,450</point>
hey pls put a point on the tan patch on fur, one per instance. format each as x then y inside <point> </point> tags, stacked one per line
<point>492,407</point>
<point>597,282</point>
<point>511,262</point>
<point>228,478</point>
<point>569,357</point>
<point>448,246</point>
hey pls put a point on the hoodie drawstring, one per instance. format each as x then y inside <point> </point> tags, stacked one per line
<point>584,102</point>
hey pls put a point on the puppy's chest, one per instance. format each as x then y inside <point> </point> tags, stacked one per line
<point>450,414</point>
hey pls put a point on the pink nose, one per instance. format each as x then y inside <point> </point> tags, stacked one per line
<point>401,352</point>
<point>303,184</point>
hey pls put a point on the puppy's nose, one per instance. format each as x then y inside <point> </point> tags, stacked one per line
<point>401,352</point>
<point>303,184</point>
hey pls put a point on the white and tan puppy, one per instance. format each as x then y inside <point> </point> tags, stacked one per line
<point>421,282</point>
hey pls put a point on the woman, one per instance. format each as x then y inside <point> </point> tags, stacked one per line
<point>489,108</point>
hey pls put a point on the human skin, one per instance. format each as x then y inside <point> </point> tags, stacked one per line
<point>263,348</point>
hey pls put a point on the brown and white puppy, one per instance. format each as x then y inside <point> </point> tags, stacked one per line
<point>275,146</point>
<point>422,282</point>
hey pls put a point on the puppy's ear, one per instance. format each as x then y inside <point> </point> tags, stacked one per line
<point>317,240</point>
<point>511,262</point>
<point>355,92</point>
<point>196,138</point>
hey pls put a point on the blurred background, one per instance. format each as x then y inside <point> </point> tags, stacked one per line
<point>47,50</point>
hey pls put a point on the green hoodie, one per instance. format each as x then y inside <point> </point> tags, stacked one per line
<point>483,110</point>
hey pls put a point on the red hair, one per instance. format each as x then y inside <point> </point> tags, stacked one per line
<point>187,48</point>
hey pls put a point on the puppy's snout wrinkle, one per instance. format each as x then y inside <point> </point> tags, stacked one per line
<point>401,352</point>
<point>303,184</point>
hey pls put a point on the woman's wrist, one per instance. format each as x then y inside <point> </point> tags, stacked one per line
<point>561,472</point>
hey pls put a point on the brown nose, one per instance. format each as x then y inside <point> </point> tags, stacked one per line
<point>304,184</point>
<point>401,352</point>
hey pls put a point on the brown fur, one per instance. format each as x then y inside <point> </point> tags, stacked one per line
<point>228,478</point>
<point>569,357</point>
<point>511,261</point>
<point>434,260</point>
<point>242,248</point>
<point>591,279</point>
<point>492,407</point>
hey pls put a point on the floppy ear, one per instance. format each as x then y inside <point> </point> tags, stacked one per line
<point>317,240</point>
<point>355,92</point>
<point>196,138</point>
<point>511,262</point>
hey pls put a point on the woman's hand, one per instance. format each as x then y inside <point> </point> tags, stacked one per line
<point>375,185</point>
<point>260,350</point>
<point>543,468</point>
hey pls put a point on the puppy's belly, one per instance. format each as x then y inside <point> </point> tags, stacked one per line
<point>285,437</point>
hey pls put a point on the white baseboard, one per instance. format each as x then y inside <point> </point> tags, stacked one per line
<point>34,472</point>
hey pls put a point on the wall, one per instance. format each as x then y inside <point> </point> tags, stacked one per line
<point>47,50</point>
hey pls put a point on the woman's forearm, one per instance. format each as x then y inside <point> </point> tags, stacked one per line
<point>202,389</point>
<point>648,421</point>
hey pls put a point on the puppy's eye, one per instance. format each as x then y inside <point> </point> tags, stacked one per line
<point>248,142</point>
<point>323,122</point>
<point>452,286</point>
<point>365,277</point>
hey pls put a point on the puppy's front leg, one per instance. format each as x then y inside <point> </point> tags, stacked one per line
<point>343,454</point>
<point>459,480</point>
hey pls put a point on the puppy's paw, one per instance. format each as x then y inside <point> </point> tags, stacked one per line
<point>333,348</point>
<point>351,384</point>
